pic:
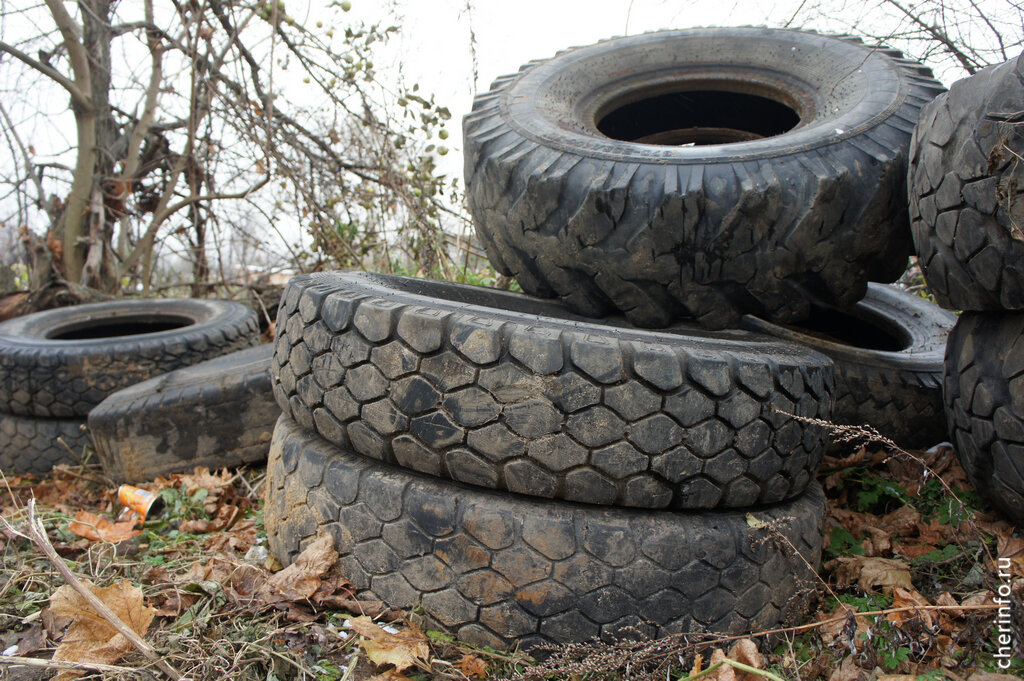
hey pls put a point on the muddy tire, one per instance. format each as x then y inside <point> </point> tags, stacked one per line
<point>984,393</point>
<point>966,183</point>
<point>792,190</point>
<point>505,391</point>
<point>61,363</point>
<point>218,413</point>
<point>497,569</point>
<point>35,445</point>
<point>888,352</point>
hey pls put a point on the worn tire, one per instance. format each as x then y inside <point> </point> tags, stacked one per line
<point>564,200</point>
<point>503,391</point>
<point>61,363</point>
<point>967,191</point>
<point>35,445</point>
<point>497,569</point>
<point>218,413</point>
<point>888,352</point>
<point>983,387</point>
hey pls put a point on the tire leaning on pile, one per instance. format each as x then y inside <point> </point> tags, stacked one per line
<point>218,413</point>
<point>792,191</point>
<point>501,390</point>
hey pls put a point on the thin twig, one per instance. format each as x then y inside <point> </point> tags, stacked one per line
<point>14,660</point>
<point>37,534</point>
<point>735,665</point>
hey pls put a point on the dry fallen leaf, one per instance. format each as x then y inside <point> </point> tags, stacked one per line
<point>401,650</point>
<point>909,598</point>
<point>224,518</point>
<point>1011,553</point>
<point>868,573</point>
<point>90,638</point>
<point>723,673</point>
<point>848,671</point>
<point>97,528</point>
<point>301,579</point>
<point>745,652</point>
<point>471,665</point>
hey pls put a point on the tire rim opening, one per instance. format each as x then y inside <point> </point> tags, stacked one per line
<point>120,326</point>
<point>697,117</point>
<point>867,331</point>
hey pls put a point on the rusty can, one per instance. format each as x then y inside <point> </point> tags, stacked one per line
<point>140,501</point>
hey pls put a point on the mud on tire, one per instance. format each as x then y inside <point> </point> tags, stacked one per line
<point>496,568</point>
<point>217,413</point>
<point>501,390</point>
<point>700,173</point>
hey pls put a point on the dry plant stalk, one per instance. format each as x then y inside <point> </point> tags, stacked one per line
<point>37,535</point>
<point>17,661</point>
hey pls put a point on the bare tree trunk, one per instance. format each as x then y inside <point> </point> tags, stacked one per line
<point>99,269</point>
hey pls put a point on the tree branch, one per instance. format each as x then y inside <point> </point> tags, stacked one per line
<point>80,98</point>
<point>940,36</point>
<point>77,54</point>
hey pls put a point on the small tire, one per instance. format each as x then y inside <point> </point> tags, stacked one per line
<point>966,182</point>
<point>499,569</point>
<point>35,445</point>
<point>61,363</point>
<point>983,388</point>
<point>218,413</point>
<point>791,189</point>
<point>888,352</point>
<point>501,390</point>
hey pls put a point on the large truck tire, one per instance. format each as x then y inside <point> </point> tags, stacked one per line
<point>505,391</point>
<point>498,569</point>
<point>701,173</point>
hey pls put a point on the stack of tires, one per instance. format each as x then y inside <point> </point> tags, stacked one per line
<point>536,471</point>
<point>967,208</point>
<point>57,365</point>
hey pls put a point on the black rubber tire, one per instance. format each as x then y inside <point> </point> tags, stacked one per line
<point>35,445</point>
<point>708,231</point>
<point>983,387</point>
<point>967,191</point>
<point>888,352</point>
<point>504,391</point>
<point>498,569</point>
<point>61,363</point>
<point>218,413</point>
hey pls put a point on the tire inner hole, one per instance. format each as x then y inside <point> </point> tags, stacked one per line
<point>112,328</point>
<point>869,332</point>
<point>698,117</point>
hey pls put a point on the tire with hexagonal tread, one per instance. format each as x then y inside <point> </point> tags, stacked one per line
<point>966,181</point>
<point>505,391</point>
<point>218,413</point>
<point>61,363</point>
<point>35,445</point>
<point>888,352</point>
<point>499,569</point>
<point>983,386</point>
<point>701,173</point>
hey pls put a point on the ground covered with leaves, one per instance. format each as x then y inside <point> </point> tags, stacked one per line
<point>920,580</point>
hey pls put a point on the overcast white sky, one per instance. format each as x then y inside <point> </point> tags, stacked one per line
<point>438,38</point>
